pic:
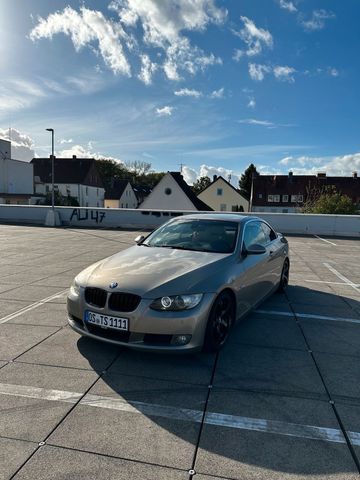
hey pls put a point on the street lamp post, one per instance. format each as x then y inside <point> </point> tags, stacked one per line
<point>52,168</point>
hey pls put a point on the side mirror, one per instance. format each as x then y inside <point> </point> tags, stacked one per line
<point>139,239</point>
<point>255,249</point>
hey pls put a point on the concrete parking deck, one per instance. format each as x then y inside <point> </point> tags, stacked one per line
<point>280,401</point>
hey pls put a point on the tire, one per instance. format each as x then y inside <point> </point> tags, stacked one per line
<point>221,319</point>
<point>284,280</point>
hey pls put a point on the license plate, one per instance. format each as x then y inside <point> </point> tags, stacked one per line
<point>106,321</point>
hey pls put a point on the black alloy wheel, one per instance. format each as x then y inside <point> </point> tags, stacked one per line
<point>221,319</point>
<point>284,281</point>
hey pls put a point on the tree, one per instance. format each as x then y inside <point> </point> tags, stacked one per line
<point>201,184</point>
<point>246,181</point>
<point>138,168</point>
<point>329,201</point>
<point>110,169</point>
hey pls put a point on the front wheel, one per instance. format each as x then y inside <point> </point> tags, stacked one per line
<point>221,319</point>
<point>284,280</point>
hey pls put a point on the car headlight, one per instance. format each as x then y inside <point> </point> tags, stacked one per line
<point>75,289</point>
<point>177,302</point>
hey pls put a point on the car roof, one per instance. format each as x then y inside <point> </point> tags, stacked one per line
<point>230,217</point>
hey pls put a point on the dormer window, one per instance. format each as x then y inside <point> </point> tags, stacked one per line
<point>219,192</point>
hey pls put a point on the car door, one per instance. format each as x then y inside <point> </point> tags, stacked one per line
<point>276,254</point>
<point>254,283</point>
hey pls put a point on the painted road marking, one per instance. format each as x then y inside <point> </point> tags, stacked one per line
<point>332,283</point>
<point>333,435</point>
<point>327,241</point>
<point>342,277</point>
<point>308,315</point>
<point>32,306</point>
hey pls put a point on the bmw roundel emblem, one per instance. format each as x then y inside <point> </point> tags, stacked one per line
<point>113,285</point>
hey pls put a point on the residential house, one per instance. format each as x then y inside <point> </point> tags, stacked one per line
<point>75,177</point>
<point>288,193</point>
<point>173,193</point>
<point>16,178</point>
<point>221,196</point>
<point>120,195</point>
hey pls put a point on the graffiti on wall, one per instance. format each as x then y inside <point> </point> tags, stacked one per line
<point>83,215</point>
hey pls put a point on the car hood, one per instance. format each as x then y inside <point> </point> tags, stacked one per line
<point>151,272</point>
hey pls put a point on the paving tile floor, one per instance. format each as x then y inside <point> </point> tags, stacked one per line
<point>281,401</point>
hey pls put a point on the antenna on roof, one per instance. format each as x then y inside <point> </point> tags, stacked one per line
<point>229,177</point>
<point>181,166</point>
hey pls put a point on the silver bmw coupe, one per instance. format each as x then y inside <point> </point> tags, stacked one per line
<point>182,287</point>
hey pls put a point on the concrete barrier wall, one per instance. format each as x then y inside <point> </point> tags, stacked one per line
<point>342,225</point>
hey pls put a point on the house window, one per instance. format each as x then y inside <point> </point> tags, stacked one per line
<point>219,192</point>
<point>296,198</point>
<point>47,189</point>
<point>87,204</point>
<point>285,198</point>
<point>223,207</point>
<point>167,191</point>
<point>260,195</point>
<point>273,198</point>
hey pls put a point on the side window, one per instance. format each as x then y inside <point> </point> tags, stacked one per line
<point>254,234</point>
<point>269,233</point>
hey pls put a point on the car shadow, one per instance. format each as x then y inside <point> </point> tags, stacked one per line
<point>264,372</point>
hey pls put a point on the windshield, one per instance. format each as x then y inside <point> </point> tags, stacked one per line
<point>200,235</point>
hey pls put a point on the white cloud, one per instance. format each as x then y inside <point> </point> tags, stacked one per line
<point>254,37</point>
<point>257,72</point>
<point>264,123</point>
<point>284,73</point>
<point>85,29</point>
<point>164,111</point>
<point>333,72</point>
<point>85,152</point>
<point>64,141</point>
<point>148,68</point>
<point>254,121</point>
<point>334,165</point>
<point>22,145</point>
<point>186,92</point>
<point>190,175</point>
<point>288,5</point>
<point>238,54</point>
<point>217,93</point>
<point>163,24</point>
<point>251,103</point>
<point>317,20</point>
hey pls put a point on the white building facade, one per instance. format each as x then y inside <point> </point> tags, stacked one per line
<point>16,178</point>
<point>173,193</point>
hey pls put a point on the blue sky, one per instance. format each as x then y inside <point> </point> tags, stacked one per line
<point>210,84</point>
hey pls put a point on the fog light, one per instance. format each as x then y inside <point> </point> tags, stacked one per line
<point>181,339</point>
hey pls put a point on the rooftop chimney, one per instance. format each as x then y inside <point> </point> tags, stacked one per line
<point>214,178</point>
<point>74,157</point>
<point>321,175</point>
<point>354,174</point>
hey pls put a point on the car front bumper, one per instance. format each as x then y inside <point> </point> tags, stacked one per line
<point>148,329</point>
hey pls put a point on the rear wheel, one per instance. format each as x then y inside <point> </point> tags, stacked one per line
<point>221,319</point>
<point>284,281</point>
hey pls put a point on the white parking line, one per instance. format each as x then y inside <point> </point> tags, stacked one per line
<point>308,315</point>
<point>332,283</point>
<point>327,241</point>
<point>32,306</point>
<point>342,277</point>
<point>311,432</point>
